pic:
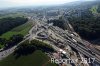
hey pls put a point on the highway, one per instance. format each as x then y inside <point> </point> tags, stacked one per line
<point>67,38</point>
<point>9,51</point>
<point>79,47</point>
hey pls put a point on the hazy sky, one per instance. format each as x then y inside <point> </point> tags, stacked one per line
<point>13,3</point>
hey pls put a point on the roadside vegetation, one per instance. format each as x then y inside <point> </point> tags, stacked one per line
<point>13,40</point>
<point>29,47</point>
<point>37,58</point>
<point>29,54</point>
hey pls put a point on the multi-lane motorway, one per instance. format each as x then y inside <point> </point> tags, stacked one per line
<point>68,39</point>
<point>76,45</point>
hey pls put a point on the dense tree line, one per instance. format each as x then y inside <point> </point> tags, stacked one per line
<point>9,23</point>
<point>87,25</point>
<point>15,39</point>
<point>98,8</point>
<point>29,47</point>
<point>42,46</point>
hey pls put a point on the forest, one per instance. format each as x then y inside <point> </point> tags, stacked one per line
<point>8,23</point>
<point>87,25</point>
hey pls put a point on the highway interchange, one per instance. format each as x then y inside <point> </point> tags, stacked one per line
<point>66,38</point>
<point>78,45</point>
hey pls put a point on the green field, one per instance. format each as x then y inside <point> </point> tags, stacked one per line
<point>37,58</point>
<point>23,29</point>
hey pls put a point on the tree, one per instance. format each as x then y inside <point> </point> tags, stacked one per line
<point>9,23</point>
<point>17,38</point>
<point>3,41</point>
